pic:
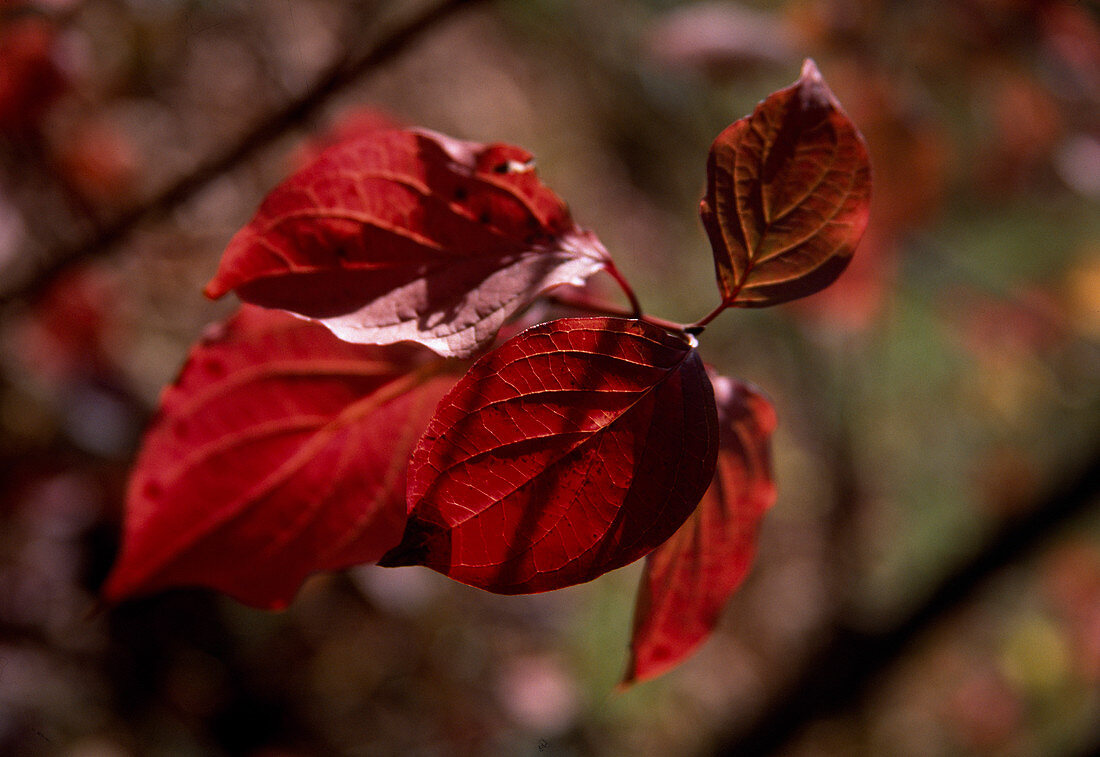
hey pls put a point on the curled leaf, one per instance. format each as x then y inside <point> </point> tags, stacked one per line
<point>572,449</point>
<point>788,196</point>
<point>409,235</point>
<point>279,451</point>
<point>688,579</point>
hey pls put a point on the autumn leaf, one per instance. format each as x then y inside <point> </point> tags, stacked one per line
<point>574,448</point>
<point>409,235</point>
<point>279,451</point>
<point>788,192</point>
<point>688,579</point>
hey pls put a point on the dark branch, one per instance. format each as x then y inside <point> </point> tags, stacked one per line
<point>845,667</point>
<point>337,76</point>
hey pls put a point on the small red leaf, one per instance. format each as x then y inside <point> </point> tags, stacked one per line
<point>688,579</point>
<point>409,235</point>
<point>788,192</point>
<point>574,448</point>
<point>279,451</point>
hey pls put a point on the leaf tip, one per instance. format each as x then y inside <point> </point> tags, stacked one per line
<point>810,71</point>
<point>215,288</point>
<point>814,91</point>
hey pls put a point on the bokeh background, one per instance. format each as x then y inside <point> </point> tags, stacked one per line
<point>928,582</point>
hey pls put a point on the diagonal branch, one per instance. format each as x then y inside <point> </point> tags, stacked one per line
<point>342,72</point>
<point>850,662</point>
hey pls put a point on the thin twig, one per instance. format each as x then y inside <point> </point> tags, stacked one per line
<point>698,326</point>
<point>345,70</point>
<point>636,307</point>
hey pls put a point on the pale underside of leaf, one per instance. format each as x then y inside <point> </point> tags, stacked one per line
<point>462,323</point>
<point>409,236</point>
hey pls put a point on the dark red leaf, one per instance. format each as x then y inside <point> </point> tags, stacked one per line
<point>688,579</point>
<point>409,235</point>
<point>788,192</point>
<point>279,451</point>
<point>574,448</point>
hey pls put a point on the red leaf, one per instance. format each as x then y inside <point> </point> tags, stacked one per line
<point>788,191</point>
<point>409,235</point>
<point>279,451</point>
<point>688,579</point>
<point>574,448</point>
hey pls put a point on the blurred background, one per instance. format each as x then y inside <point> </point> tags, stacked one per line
<point>928,582</point>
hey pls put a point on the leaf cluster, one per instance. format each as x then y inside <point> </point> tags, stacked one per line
<point>337,418</point>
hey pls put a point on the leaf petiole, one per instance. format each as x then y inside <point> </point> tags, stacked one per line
<point>636,307</point>
<point>581,302</point>
<point>698,326</point>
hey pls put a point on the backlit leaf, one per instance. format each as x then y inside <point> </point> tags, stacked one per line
<point>409,235</point>
<point>688,579</point>
<point>574,448</point>
<point>279,451</point>
<point>788,191</point>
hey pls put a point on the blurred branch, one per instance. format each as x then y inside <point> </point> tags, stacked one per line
<point>1091,747</point>
<point>342,72</point>
<point>844,668</point>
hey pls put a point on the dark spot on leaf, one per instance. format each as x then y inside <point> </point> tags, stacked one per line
<point>461,193</point>
<point>485,218</point>
<point>214,367</point>
<point>151,490</point>
<point>501,167</point>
